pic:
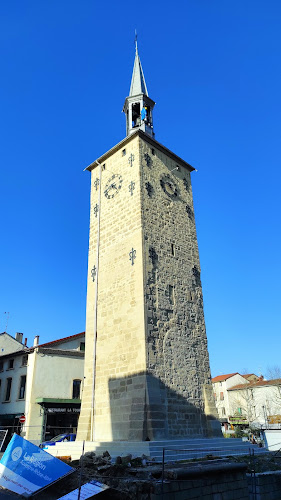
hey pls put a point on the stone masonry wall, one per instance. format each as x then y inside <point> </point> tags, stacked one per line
<point>265,486</point>
<point>177,353</point>
<point>220,484</point>
<point>120,325</point>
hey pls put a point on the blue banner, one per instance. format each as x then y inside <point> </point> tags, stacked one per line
<point>25,468</point>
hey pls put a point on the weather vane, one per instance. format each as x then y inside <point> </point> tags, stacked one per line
<point>136,40</point>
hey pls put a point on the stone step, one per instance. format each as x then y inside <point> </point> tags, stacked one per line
<point>174,450</point>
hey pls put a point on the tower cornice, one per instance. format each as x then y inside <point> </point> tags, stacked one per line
<point>150,141</point>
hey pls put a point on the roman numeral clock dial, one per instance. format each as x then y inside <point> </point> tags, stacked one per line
<point>113,186</point>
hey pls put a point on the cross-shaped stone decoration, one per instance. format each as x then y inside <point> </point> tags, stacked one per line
<point>93,273</point>
<point>131,187</point>
<point>96,183</point>
<point>96,209</point>
<point>147,159</point>
<point>131,159</point>
<point>149,188</point>
<point>132,255</point>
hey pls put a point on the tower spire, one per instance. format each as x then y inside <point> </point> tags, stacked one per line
<point>138,85</point>
<point>138,106</point>
<point>136,41</point>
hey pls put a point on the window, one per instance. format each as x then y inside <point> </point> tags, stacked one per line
<point>10,364</point>
<point>123,152</point>
<point>1,366</point>
<point>171,294</point>
<point>153,151</point>
<point>173,250</point>
<point>223,411</point>
<point>103,167</point>
<point>239,411</point>
<point>24,360</point>
<point>82,346</point>
<point>221,396</point>
<point>76,389</point>
<point>22,387</point>
<point>8,389</point>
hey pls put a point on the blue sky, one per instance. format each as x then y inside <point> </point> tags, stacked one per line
<point>213,69</point>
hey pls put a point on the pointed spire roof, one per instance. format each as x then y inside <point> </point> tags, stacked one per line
<point>138,85</point>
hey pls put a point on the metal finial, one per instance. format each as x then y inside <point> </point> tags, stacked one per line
<point>136,41</point>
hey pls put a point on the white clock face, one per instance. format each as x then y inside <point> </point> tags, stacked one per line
<point>113,186</point>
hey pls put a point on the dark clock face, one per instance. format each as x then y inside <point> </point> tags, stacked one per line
<point>169,186</point>
<point>113,186</point>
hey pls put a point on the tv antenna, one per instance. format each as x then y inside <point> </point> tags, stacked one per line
<point>7,317</point>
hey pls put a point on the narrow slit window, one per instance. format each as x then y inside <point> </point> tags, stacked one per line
<point>172,294</point>
<point>173,250</point>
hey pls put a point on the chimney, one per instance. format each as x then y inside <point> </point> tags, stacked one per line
<point>19,337</point>
<point>25,341</point>
<point>36,340</point>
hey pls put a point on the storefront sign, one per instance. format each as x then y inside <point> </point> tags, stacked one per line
<point>25,468</point>
<point>87,491</point>
<point>62,410</point>
<point>238,420</point>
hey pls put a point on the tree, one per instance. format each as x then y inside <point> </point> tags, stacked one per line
<point>243,402</point>
<point>273,372</point>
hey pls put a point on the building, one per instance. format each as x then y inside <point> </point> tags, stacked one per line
<point>147,373</point>
<point>43,383</point>
<point>221,385</point>
<point>13,370</point>
<point>10,344</point>
<point>247,400</point>
<point>258,402</point>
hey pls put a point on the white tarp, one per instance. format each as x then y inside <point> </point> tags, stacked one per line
<point>87,491</point>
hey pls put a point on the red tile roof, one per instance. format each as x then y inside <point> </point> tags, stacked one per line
<point>65,339</point>
<point>258,383</point>
<point>220,378</point>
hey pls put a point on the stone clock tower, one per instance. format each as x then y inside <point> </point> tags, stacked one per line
<point>147,374</point>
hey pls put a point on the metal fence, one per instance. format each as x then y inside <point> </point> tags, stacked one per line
<point>189,456</point>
